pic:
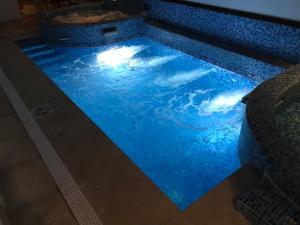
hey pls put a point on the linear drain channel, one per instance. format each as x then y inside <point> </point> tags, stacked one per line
<point>77,202</point>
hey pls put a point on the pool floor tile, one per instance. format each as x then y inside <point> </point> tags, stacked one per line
<point>125,190</point>
<point>9,126</point>
<point>30,193</point>
<point>184,220</point>
<point>40,95</point>
<point>5,109</point>
<point>10,149</point>
<point>2,94</point>
<point>223,196</point>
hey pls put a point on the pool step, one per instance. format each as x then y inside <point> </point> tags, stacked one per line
<point>46,56</point>
<point>43,55</point>
<point>34,47</point>
<point>37,50</point>
<point>51,61</point>
<point>40,53</point>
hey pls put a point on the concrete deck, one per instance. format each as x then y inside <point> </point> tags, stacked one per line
<point>118,191</point>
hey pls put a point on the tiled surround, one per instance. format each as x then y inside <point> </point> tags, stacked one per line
<point>243,65</point>
<point>288,118</point>
<point>264,37</point>
<point>261,142</point>
<point>265,205</point>
<point>92,34</point>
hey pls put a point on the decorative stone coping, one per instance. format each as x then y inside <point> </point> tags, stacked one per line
<point>281,160</point>
<point>86,7</point>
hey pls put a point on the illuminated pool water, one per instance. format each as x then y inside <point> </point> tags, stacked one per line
<point>176,117</point>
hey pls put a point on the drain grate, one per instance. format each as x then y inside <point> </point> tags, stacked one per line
<point>79,205</point>
<point>265,205</point>
<point>41,111</point>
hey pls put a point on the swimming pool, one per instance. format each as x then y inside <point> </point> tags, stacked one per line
<point>176,117</point>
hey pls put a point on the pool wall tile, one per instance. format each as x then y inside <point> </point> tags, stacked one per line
<point>249,67</point>
<point>268,38</point>
<point>92,35</point>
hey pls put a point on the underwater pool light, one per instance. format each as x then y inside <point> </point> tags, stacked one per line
<point>223,102</point>
<point>117,56</point>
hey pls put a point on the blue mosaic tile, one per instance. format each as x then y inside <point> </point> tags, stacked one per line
<point>92,35</point>
<point>262,143</point>
<point>265,37</point>
<point>249,67</point>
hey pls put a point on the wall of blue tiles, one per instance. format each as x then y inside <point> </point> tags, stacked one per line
<point>92,34</point>
<point>265,37</point>
<point>249,67</point>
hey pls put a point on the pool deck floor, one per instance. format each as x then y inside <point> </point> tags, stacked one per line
<point>118,191</point>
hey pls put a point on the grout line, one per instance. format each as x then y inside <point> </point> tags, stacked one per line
<point>77,202</point>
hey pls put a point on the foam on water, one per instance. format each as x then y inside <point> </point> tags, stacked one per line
<point>223,102</point>
<point>150,62</point>
<point>182,78</point>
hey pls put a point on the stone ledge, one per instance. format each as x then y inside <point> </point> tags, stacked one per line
<point>269,150</point>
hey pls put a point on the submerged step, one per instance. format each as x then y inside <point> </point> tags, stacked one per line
<point>40,53</point>
<point>42,57</point>
<point>50,61</point>
<point>36,50</point>
<point>34,47</point>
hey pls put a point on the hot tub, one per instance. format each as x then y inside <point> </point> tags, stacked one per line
<point>269,138</point>
<point>89,25</point>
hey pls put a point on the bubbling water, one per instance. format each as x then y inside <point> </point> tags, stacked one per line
<point>182,78</point>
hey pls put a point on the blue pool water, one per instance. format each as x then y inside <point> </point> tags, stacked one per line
<point>176,117</point>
